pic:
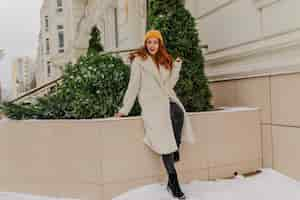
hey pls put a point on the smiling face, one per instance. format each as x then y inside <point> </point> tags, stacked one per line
<point>152,45</point>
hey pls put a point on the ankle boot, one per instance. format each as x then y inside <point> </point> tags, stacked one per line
<point>174,186</point>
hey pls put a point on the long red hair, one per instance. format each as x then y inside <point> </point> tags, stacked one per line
<point>161,57</point>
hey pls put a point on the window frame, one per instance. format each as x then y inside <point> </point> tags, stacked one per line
<point>47,46</point>
<point>48,69</point>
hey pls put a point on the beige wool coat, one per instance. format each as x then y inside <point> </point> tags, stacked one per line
<point>153,87</point>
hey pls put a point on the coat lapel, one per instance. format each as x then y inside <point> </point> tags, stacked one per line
<point>151,67</point>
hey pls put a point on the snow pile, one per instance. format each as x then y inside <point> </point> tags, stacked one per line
<point>23,196</point>
<point>267,185</point>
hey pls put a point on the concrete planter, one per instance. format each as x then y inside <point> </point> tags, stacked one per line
<point>102,158</point>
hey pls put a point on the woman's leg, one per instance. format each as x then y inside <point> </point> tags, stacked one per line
<point>177,122</point>
<point>173,183</point>
<point>177,117</point>
<point>168,160</point>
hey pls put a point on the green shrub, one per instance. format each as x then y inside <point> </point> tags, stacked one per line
<point>180,34</point>
<point>92,88</point>
<point>95,45</point>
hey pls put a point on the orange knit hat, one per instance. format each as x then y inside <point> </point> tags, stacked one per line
<point>155,34</point>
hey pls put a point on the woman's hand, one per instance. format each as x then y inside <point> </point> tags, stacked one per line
<point>118,114</point>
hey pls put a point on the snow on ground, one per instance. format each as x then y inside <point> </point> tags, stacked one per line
<point>23,196</point>
<point>268,185</point>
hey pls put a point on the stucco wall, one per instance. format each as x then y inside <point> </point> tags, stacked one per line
<point>253,60</point>
<point>101,158</point>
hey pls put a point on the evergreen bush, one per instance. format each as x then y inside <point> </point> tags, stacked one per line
<point>181,38</point>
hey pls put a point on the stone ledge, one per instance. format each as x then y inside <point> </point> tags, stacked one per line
<point>107,155</point>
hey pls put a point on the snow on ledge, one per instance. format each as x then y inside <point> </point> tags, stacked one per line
<point>268,185</point>
<point>233,109</point>
<point>227,109</point>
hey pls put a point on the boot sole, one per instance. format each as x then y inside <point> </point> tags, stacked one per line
<point>181,198</point>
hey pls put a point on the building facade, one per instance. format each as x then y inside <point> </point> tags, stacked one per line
<point>66,25</point>
<point>253,60</point>
<point>53,46</point>
<point>1,54</point>
<point>22,75</point>
<point>0,92</point>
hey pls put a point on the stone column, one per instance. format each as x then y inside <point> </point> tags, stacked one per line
<point>136,22</point>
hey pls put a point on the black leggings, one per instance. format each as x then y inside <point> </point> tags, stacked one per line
<point>177,117</point>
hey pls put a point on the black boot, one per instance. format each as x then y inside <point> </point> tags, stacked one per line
<point>173,185</point>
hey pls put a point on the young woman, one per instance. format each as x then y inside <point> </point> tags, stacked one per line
<point>152,78</point>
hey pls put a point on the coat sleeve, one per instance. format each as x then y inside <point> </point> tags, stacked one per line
<point>175,74</point>
<point>133,87</point>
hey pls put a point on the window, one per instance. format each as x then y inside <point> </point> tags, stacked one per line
<point>61,41</point>
<point>59,4</point>
<point>61,38</point>
<point>59,9</point>
<point>59,27</point>
<point>47,46</point>
<point>46,23</point>
<point>49,68</point>
<point>116,27</point>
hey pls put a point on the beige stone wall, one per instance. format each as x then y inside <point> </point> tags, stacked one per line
<point>102,158</point>
<point>278,98</point>
<point>253,60</point>
<point>248,37</point>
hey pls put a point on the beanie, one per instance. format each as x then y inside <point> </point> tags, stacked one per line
<point>155,34</point>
